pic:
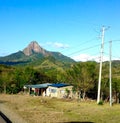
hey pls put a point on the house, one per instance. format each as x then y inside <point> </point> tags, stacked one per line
<point>38,89</point>
<point>59,90</point>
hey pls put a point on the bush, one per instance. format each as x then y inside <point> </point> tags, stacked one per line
<point>100,103</point>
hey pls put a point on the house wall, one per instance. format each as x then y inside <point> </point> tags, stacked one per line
<point>51,91</point>
<point>40,91</point>
<point>59,92</point>
<point>37,91</point>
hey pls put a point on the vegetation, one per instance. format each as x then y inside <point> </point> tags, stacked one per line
<point>13,79</point>
<point>20,59</point>
<point>32,66</point>
<point>82,75</point>
<point>52,110</point>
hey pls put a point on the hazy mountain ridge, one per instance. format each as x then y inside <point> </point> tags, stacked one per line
<point>32,53</point>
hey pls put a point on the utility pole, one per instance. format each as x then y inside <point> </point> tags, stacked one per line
<point>110,76</point>
<point>101,60</point>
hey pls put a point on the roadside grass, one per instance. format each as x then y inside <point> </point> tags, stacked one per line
<point>52,110</point>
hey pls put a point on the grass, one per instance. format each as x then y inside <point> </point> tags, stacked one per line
<point>52,110</point>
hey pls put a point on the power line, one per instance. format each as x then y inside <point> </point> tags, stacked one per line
<point>112,55</point>
<point>88,48</point>
<point>85,49</point>
<point>81,44</point>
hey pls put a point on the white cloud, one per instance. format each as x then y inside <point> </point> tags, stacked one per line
<point>87,57</point>
<point>57,45</point>
<point>60,45</point>
<point>82,57</point>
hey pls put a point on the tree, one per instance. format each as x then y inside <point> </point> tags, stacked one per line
<point>5,78</point>
<point>83,76</point>
<point>116,89</point>
<point>88,76</point>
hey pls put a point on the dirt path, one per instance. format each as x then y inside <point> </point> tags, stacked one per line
<point>15,118</point>
<point>2,120</point>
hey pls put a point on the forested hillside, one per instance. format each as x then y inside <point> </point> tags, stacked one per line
<point>82,75</point>
<point>33,53</point>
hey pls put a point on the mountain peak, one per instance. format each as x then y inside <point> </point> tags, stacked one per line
<point>34,47</point>
<point>33,53</point>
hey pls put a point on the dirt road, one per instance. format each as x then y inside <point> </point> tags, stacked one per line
<point>15,118</point>
<point>2,120</point>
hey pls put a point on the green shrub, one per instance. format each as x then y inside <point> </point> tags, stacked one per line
<point>100,103</point>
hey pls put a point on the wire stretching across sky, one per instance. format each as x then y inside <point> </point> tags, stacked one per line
<point>72,50</point>
<point>81,44</point>
<point>96,54</point>
<point>85,49</point>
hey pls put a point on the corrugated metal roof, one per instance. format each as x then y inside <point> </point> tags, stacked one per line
<point>59,85</point>
<point>38,85</point>
<point>45,85</point>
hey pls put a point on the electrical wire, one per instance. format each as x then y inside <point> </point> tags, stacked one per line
<point>91,47</point>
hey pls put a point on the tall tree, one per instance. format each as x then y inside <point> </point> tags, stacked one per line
<point>116,89</point>
<point>83,75</point>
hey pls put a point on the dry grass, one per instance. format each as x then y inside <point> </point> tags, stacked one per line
<point>51,110</point>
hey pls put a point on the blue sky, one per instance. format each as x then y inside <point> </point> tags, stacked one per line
<point>72,27</point>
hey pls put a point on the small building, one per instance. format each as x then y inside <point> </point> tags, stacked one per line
<point>38,89</point>
<point>59,90</point>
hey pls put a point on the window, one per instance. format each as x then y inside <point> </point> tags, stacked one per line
<point>53,90</point>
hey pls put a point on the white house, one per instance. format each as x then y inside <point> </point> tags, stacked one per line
<point>60,90</point>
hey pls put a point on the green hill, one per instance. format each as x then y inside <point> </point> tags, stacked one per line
<point>33,54</point>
